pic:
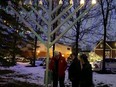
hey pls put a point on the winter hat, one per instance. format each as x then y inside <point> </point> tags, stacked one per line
<point>56,53</point>
<point>84,57</point>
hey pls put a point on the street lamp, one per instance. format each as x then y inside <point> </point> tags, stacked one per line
<point>49,21</point>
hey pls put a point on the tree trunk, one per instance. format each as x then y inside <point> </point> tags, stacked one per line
<point>14,50</point>
<point>77,35</point>
<point>105,14</point>
<point>34,54</point>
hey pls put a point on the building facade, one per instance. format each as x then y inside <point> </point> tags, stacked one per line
<point>110,51</point>
<point>42,50</point>
<point>64,49</point>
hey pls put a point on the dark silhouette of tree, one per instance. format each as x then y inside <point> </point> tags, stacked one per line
<point>105,9</point>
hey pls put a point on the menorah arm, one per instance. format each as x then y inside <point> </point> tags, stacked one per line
<point>65,20</point>
<point>43,8</point>
<point>56,8</point>
<point>69,27</point>
<point>26,23</point>
<point>62,13</point>
<point>39,15</point>
<point>33,20</point>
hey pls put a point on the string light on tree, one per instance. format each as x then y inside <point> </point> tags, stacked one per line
<point>4,21</point>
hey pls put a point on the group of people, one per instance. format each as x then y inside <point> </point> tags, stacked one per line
<point>79,71</point>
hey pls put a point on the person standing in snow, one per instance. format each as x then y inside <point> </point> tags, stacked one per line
<point>86,72</point>
<point>74,71</point>
<point>58,66</point>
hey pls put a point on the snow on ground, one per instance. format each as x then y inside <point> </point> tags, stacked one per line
<point>36,75</point>
<point>33,74</point>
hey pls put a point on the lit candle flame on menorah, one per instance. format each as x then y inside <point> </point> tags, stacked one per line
<point>49,21</point>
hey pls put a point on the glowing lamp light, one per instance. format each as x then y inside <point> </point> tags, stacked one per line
<point>24,3</point>
<point>28,32</point>
<point>4,21</point>
<point>40,2</point>
<point>38,51</point>
<point>71,2</point>
<point>20,3</point>
<point>30,2</point>
<point>82,2</point>
<point>70,52</point>
<point>115,44</point>
<point>62,55</point>
<point>60,2</point>
<point>93,2</point>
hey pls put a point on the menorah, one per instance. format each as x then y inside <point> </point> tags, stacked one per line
<point>49,21</point>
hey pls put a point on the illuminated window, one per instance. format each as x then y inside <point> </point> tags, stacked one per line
<point>115,44</point>
<point>107,53</point>
<point>101,45</point>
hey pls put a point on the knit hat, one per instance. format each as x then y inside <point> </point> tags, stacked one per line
<point>56,53</point>
<point>84,57</point>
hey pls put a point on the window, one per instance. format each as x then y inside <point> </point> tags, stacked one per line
<point>107,53</point>
<point>115,44</point>
<point>68,48</point>
<point>101,45</point>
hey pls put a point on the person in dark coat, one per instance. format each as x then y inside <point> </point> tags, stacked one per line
<point>58,66</point>
<point>74,72</point>
<point>86,72</point>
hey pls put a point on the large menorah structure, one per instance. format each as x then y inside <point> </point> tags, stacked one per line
<point>49,21</point>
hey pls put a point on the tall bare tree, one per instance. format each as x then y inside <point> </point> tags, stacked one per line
<point>105,9</point>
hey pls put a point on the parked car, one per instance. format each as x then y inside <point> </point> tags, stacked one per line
<point>96,65</point>
<point>40,61</point>
<point>110,65</point>
<point>22,59</point>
